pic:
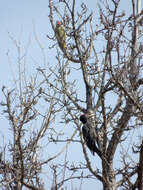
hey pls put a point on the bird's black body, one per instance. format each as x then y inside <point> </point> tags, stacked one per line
<point>89,135</point>
<point>90,141</point>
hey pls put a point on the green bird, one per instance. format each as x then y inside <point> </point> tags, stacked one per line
<point>60,35</point>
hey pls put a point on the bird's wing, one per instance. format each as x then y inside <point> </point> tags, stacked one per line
<point>57,33</point>
<point>62,33</point>
<point>85,132</point>
<point>90,140</point>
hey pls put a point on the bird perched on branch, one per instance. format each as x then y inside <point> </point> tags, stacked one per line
<point>60,35</point>
<point>89,135</point>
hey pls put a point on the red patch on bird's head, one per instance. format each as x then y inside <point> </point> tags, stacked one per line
<point>58,23</point>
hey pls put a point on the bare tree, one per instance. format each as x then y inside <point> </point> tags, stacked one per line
<point>111,74</point>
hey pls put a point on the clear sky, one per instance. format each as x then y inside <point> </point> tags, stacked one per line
<point>19,20</point>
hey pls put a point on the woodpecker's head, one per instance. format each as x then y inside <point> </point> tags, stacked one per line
<point>83,118</point>
<point>58,23</point>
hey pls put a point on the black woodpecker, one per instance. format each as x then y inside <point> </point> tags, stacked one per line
<point>89,135</point>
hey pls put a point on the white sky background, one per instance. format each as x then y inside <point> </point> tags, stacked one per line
<point>18,19</point>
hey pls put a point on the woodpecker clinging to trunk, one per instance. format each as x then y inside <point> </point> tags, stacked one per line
<point>60,35</point>
<point>90,135</point>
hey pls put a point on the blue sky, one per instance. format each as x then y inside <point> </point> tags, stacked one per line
<point>19,20</point>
